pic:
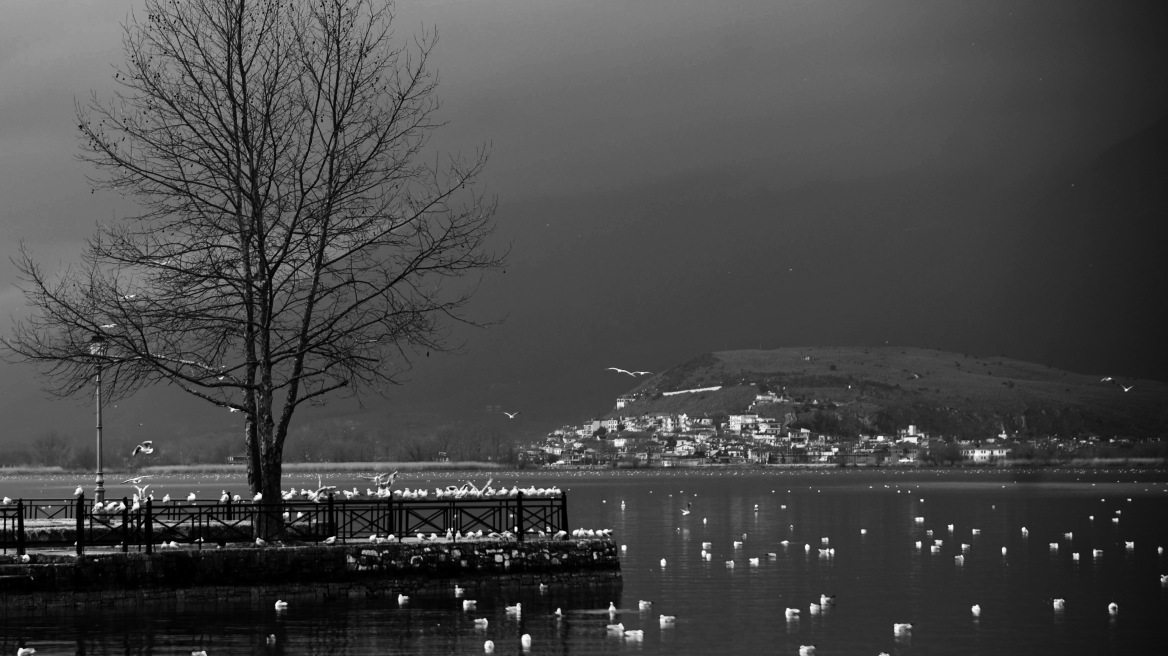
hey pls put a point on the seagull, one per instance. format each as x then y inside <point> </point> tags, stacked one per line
<point>78,492</point>
<point>1109,379</point>
<point>281,604</point>
<point>146,447</point>
<point>136,480</point>
<point>511,415</point>
<point>623,371</point>
<point>330,540</point>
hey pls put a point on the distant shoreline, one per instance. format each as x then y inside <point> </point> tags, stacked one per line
<point>415,467</point>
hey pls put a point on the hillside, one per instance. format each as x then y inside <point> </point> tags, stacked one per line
<point>867,389</point>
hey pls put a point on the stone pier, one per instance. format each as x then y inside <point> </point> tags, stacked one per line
<point>54,579</point>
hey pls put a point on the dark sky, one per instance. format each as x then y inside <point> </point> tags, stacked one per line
<point>676,177</point>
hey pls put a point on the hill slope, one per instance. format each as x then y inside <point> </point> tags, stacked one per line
<point>880,389</point>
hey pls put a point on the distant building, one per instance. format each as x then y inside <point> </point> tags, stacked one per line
<point>736,423</point>
<point>985,455</point>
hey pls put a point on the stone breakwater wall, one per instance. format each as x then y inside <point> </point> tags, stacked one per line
<point>354,570</point>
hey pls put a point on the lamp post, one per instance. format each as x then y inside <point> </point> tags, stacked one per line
<point>97,346</point>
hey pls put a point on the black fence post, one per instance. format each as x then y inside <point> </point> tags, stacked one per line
<point>125,525</point>
<point>563,511</point>
<point>389,511</point>
<point>519,515</point>
<point>332,518</point>
<point>227,511</point>
<point>20,527</point>
<point>149,529</point>
<point>80,523</point>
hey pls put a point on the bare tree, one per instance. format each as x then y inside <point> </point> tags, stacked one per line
<point>294,237</point>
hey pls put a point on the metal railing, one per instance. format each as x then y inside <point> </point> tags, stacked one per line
<point>145,525</point>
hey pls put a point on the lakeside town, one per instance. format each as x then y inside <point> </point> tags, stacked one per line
<point>680,440</point>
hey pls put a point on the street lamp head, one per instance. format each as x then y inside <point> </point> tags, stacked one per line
<point>97,345</point>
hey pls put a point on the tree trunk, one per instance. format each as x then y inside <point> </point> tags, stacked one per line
<point>270,522</point>
<point>254,474</point>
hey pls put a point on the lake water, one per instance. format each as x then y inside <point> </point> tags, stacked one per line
<point>877,574</point>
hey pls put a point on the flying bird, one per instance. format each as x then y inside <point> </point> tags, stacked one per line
<point>511,415</point>
<point>136,480</point>
<point>1109,379</point>
<point>146,447</point>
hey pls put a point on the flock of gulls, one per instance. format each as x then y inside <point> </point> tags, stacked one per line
<point>902,631</point>
<point>383,490</point>
<point>933,542</point>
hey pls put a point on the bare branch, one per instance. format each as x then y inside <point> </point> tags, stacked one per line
<point>293,238</point>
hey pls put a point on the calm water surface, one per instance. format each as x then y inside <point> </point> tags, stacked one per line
<point>726,604</point>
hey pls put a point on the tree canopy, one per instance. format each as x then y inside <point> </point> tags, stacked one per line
<point>295,235</point>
